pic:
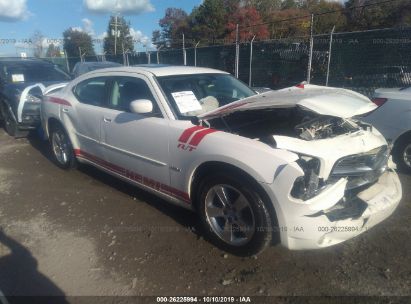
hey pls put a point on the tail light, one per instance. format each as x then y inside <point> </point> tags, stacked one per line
<point>379,101</point>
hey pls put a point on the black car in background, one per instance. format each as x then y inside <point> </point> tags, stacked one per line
<point>84,67</point>
<point>21,85</point>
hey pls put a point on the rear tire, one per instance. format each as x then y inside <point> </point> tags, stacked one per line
<point>234,215</point>
<point>9,124</point>
<point>62,149</point>
<point>402,155</point>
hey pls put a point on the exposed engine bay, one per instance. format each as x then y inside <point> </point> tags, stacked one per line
<point>295,122</point>
<point>324,127</point>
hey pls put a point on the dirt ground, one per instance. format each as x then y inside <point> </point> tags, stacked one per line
<point>83,232</point>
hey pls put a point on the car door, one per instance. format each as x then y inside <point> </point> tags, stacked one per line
<point>136,145</point>
<point>87,115</point>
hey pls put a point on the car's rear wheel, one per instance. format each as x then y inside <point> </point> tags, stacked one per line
<point>402,155</point>
<point>234,214</point>
<point>62,148</point>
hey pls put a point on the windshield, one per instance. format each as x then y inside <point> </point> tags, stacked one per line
<point>31,72</point>
<point>192,95</point>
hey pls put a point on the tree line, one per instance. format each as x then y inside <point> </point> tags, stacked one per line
<point>214,21</point>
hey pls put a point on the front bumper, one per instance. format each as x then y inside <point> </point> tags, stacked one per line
<point>317,223</point>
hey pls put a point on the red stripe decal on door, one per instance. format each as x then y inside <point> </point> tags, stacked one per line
<point>199,136</point>
<point>155,185</point>
<point>185,136</point>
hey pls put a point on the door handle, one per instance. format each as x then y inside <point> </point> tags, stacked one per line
<point>107,119</point>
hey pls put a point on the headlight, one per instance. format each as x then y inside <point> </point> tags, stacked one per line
<point>362,168</point>
<point>307,186</point>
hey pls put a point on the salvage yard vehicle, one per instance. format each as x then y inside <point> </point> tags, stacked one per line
<point>288,166</point>
<point>81,68</point>
<point>393,119</point>
<point>22,84</point>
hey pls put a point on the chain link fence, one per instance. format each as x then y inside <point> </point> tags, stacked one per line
<point>361,61</point>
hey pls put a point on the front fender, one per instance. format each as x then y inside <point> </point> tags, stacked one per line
<point>257,159</point>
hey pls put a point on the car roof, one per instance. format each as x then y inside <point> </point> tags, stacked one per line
<point>161,70</point>
<point>25,60</point>
<point>97,63</point>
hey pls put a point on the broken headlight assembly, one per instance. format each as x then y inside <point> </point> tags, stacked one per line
<point>361,169</point>
<point>307,186</point>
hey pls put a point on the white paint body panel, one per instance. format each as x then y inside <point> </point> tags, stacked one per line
<point>322,100</point>
<point>330,150</point>
<point>147,152</point>
<point>393,118</point>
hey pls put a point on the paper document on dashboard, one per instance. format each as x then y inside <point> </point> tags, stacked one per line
<point>186,101</point>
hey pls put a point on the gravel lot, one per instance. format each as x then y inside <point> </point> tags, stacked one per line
<point>83,232</point>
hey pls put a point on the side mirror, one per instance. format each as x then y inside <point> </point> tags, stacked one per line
<point>141,106</point>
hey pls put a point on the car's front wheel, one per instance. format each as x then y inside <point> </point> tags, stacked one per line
<point>234,214</point>
<point>62,149</point>
<point>10,124</point>
<point>402,155</point>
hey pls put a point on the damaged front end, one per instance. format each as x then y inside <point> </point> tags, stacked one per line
<point>360,170</point>
<point>324,127</point>
<point>341,184</point>
<point>360,191</point>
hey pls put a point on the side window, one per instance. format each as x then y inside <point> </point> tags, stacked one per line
<point>93,91</point>
<point>127,89</point>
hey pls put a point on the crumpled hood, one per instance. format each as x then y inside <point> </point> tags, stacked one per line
<point>322,100</point>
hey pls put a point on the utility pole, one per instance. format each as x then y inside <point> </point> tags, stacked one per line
<point>116,32</point>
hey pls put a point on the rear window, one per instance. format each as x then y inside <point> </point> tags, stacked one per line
<point>31,72</point>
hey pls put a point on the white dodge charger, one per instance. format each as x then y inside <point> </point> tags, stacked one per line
<point>292,166</point>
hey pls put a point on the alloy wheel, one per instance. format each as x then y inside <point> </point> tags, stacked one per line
<point>61,147</point>
<point>407,155</point>
<point>229,214</point>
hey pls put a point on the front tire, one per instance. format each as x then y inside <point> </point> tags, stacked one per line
<point>402,155</point>
<point>62,148</point>
<point>10,125</point>
<point>234,215</point>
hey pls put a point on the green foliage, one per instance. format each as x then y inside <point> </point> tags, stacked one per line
<point>208,21</point>
<point>74,39</point>
<point>214,21</point>
<point>324,23</point>
<point>124,40</point>
<point>378,16</point>
<point>173,25</point>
